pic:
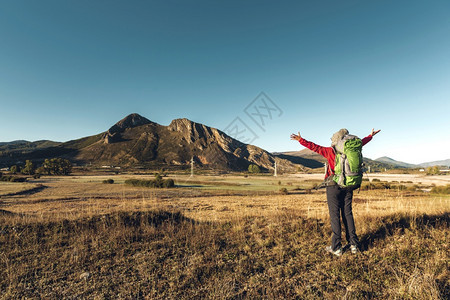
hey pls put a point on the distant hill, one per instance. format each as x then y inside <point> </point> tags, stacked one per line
<point>304,157</point>
<point>137,141</point>
<point>400,164</point>
<point>445,163</point>
<point>390,161</point>
<point>22,145</point>
<point>13,142</point>
<point>313,160</point>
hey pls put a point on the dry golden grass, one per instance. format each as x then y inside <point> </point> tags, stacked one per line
<point>11,188</point>
<point>76,237</point>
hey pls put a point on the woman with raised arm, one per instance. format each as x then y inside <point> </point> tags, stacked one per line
<point>339,198</point>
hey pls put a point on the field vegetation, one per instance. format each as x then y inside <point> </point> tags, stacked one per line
<point>219,237</point>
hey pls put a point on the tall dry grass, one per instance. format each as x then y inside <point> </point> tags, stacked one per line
<point>90,241</point>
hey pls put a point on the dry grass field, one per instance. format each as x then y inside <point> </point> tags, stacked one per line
<point>217,237</point>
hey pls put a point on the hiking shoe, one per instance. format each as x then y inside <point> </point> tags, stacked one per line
<point>354,249</point>
<point>338,252</point>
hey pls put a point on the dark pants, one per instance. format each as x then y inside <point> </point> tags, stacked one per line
<point>340,203</point>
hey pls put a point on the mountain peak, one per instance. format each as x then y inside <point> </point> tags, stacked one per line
<point>130,121</point>
<point>180,124</point>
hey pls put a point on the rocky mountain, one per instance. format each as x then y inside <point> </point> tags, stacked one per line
<point>137,141</point>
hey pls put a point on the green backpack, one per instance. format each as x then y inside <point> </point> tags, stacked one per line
<point>349,162</point>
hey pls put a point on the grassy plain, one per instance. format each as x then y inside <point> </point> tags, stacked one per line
<point>217,237</point>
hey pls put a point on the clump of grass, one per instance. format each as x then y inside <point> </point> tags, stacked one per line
<point>378,185</point>
<point>441,189</point>
<point>158,182</point>
<point>284,191</point>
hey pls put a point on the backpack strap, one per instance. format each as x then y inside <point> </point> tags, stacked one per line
<point>342,164</point>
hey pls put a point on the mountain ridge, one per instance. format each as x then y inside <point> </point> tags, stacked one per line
<point>311,159</point>
<point>386,159</point>
<point>135,140</point>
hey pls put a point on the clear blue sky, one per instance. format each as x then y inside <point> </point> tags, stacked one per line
<point>70,69</point>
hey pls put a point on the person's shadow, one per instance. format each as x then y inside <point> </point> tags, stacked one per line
<point>396,225</point>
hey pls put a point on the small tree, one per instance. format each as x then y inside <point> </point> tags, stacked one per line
<point>254,169</point>
<point>14,169</point>
<point>57,166</point>
<point>433,170</point>
<point>29,168</point>
<point>41,170</point>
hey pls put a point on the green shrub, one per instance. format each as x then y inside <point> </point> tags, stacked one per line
<point>284,191</point>
<point>432,170</point>
<point>441,189</point>
<point>155,183</point>
<point>108,181</point>
<point>254,169</point>
<point>382,185</point>
<point>57,166</point>
<point>365,186</point>
<point>29,168</point>
<point>14,169</point>
<point>18,179</point>
<point>5,178</point>
<point>400,187</point>
<point>413,188</point>
<point>13,178</point>
<point>376,185</point>
<point>168,183</point>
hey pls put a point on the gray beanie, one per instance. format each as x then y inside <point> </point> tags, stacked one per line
<point>338,135</point>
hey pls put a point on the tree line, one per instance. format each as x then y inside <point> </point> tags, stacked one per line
<point>52,166</point>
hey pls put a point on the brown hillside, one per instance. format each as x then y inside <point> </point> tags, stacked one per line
<point>136,140</point>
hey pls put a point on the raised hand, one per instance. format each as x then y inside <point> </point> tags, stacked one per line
<point>296,137</point>
<point>374,131</point>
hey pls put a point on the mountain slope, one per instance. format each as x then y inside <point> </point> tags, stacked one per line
<point>445,162</point>
<point>22,145</point>
<point>388,160</point>
<point>135,140</point>
<point>304,157</point>
<point>313,160</point>
<point>132,142</point>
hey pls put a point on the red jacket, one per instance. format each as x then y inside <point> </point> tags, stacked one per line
<point>328,152</point>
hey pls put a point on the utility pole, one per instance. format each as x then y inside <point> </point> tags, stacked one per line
<point>275,173</point>
<point>192,166</point>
